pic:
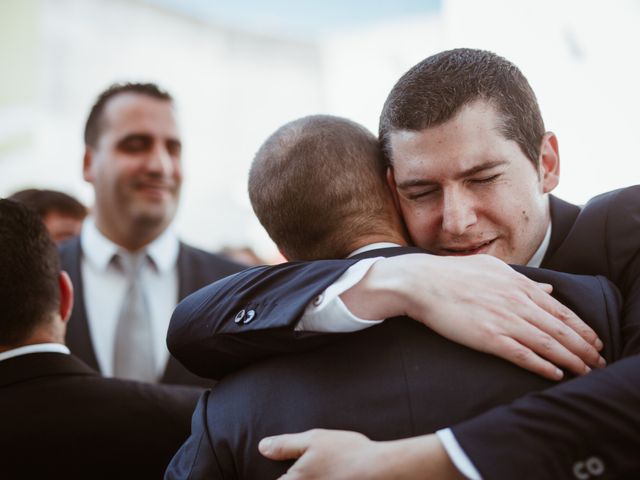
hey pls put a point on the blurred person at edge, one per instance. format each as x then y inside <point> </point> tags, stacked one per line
<point>61,213</point>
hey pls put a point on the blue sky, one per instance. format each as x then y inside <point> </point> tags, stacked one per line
<point>302,17</point>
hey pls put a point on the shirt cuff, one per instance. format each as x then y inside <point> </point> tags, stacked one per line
<point>457,455</point>
<point>328,313</point>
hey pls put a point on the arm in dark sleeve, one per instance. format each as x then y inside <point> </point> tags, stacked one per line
<point>623,258</point>
<point>196,458</point>
<point>248,316</point>
<point>592,422</point>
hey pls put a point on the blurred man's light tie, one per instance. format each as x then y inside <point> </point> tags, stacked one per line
<point>133,356</point>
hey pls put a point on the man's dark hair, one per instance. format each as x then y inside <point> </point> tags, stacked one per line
<point>29,269</point>
<point>433,91</point>
<point>94,121</point>
<point>45,201</point>
<point>317,185</point>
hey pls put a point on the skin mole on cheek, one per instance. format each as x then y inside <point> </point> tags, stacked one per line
<point>524,214</point>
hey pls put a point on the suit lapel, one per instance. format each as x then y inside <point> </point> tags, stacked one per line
<point>563,216</point>
<point>184,270</point>
<point>78,335</point>
<point>188,278</point>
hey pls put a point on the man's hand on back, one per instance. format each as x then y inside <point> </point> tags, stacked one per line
<point>482,303</point>
<point>342,455</point>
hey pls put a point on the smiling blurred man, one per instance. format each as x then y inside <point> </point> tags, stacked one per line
<point>133,161</point>
<point>129,267</point>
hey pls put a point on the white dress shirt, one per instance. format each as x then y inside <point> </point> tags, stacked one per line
<point>328,313</point>
<point>35,348</point>
<point>105,286</point>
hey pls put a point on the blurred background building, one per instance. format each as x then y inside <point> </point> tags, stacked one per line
<point>238,70</point>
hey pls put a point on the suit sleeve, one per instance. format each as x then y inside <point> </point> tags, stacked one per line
<point>588,427</point>
<point>623,245</point>
<point>196,458</point>
<point>572,431</point>
<point>249,316</point>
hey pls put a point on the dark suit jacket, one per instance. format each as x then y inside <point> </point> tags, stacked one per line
<point>391,381</point>
<point>60,419</point>
<point>598,416</point>
<point>196,268</point>
<point>603,238</point>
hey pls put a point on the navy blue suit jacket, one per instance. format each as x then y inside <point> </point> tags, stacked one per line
<point>554,434</point>
<point>390,381</point>
<point>546,435</point>
<point>196,268</point>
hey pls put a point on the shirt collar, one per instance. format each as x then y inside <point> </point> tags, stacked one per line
<point>372,246</point>
<point>36,348</point>
<point>164,251</point>
<point>536,260</point>
<point>99,250</point>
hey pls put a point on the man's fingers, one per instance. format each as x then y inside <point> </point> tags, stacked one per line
<point>550,349</point>
<point>567,316</point>
<point>566,341</point>
<point>524,357</point>
<point>576,324</point>
<point>284,447</point>
<point>545,287</point>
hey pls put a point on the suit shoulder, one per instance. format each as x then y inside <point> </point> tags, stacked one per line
<point>170,399</point>
<point>69,248</point>
<point>629,196</point>
<point>196,256</point>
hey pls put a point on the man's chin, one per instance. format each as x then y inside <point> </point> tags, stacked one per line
<point>154,215</point>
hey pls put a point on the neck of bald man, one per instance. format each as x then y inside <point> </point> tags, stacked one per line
<point>393,231</point>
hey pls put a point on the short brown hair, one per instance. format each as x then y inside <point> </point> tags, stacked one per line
<point>45,201</point>
<point>434,90</point>
<point>93,127</point>
<point>317,186</point>
<point>29,269</point>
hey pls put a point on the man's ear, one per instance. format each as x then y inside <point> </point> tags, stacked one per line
<point>549,168</point>
<point>66,295</point>
<point>87,164</point>
<point>391,183</point>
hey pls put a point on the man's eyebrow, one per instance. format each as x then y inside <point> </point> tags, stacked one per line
<point>480,168</point>
<point>134,136</point>
<point>147,136</point>
<point>425,182</point>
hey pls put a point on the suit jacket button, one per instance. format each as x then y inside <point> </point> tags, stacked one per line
<point>318,300</point>
<point>250,316</point>
<point>595,466</point>
<point>239,316</point>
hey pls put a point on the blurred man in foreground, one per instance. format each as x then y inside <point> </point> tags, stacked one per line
<point>60,418</point>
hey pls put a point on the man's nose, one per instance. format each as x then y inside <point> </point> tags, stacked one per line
<point>160,161</point>
<point>458,212</point>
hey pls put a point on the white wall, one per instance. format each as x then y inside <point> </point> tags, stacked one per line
<point>234,87</point>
